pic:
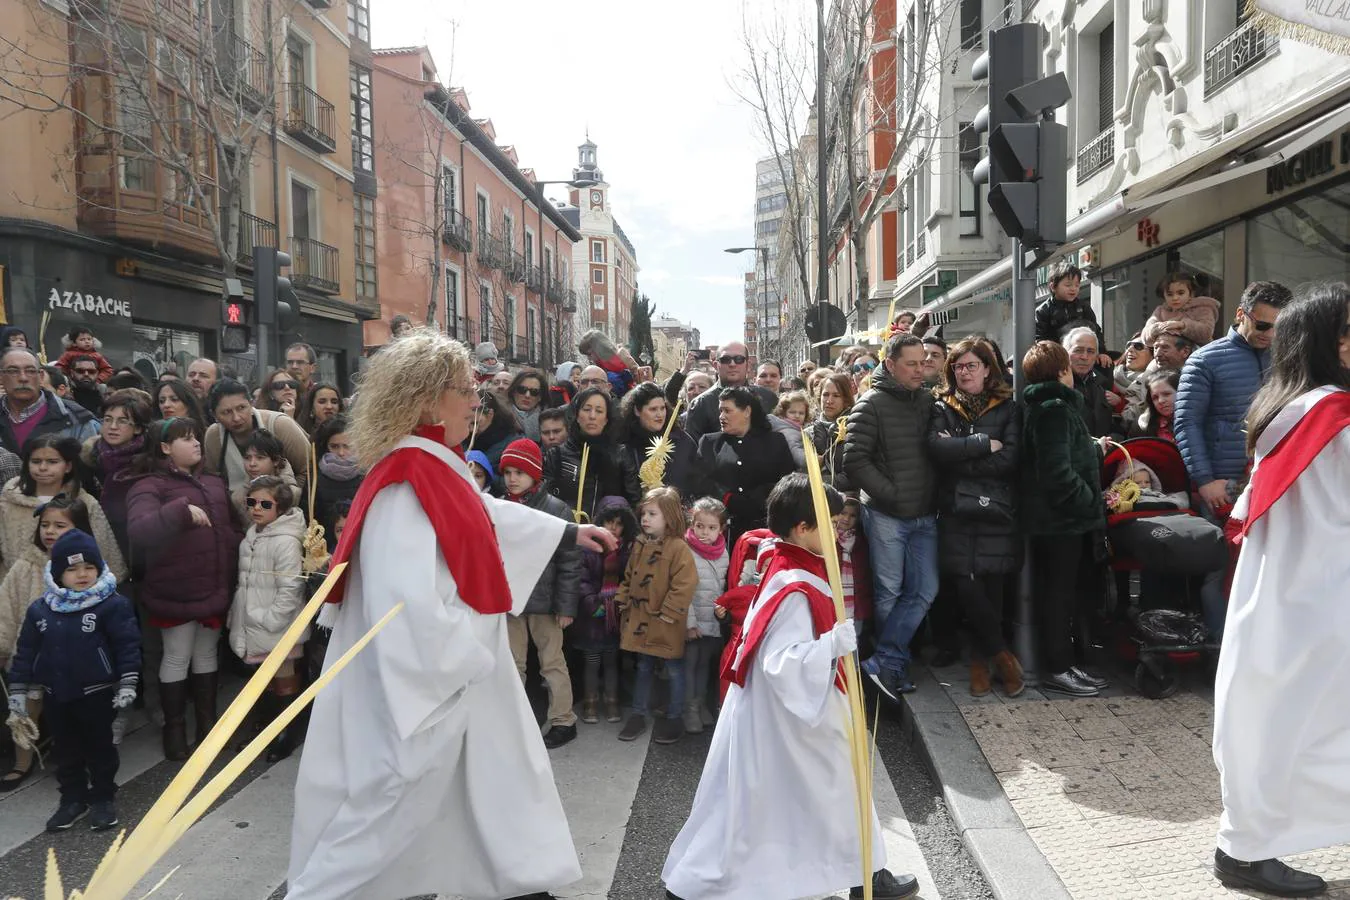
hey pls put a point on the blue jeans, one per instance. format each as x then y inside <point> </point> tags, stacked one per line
<point>1213,599</point>
<point>642,687</point>
<point>905,580</point>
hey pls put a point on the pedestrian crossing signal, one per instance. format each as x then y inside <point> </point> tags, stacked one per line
<point>234,313</point>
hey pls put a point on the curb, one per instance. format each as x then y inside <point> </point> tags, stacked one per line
<point>1009,859</point>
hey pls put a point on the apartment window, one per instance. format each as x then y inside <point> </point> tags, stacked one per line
<point>363,128</point>
<point>358,20</point>
<point>297,59</point>
<point>449,189</point>
<point>597,276</point>
<point>529,246</point>
<point>484,311</point>
<point>564,271</point>
<point>484,216</point>
<point>509,350</point>
<point>972,24</point>
<point>530,333</point>
<point>452,302</point>
<point>967,189</point>
<point>303,214</point>
<point>509,227</point>
<point>597,251</point>
<point>1106,77</point>
<point>598,301</point>
<point>548,260</point>
<point>364,209</point>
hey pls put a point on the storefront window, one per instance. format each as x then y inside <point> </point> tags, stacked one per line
<point>1133,291</point>
<point>1305,240</point>
<point>157,347</point>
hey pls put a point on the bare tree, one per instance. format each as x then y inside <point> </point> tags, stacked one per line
<point>168,100</point>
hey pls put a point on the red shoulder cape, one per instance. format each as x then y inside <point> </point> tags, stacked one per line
<point>464,530</point>
<point>1282,466</point>
<point>785,557</point>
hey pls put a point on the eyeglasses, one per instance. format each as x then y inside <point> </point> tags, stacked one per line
<point>1262,326</point>
<point>15,371</point>
<point>116,421</point>
<point>1135,345</point>
<point>732,360</point>
<point>966,367</point>
<point>285,385</point>
<point>86,371</point>
<point>251,502</point>
<point>859,368</point>
<point>528,391</point>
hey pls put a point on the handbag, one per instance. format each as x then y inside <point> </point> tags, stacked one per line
<point>984,501</point>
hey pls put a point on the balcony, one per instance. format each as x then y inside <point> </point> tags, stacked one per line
<point>320,4</point>
<point>310,119</point>
<point>314,266</point>
<point>1099,153</point>
<point>253,232</point>
<point>243,70</point>
<point>515,266</point>
<point>534,279</point>
<point>491,253</point>
<point>520,350</point>
<point>458,231</point>
<point>461,328</point>
<point>1237,54</point>
<point>555,289</point>
<point>570,300</point>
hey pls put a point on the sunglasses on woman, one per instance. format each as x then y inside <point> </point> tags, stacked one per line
<point>265,504</point>
<point>528,391</point>
<point>859,368</point>
<point>285,385</point>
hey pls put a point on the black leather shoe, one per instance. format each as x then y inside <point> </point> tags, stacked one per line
<point>559,735</point>
<point>886,886</point>
<point>1088,676</point>
<point>1067,683</point>
<point>1268,875</point>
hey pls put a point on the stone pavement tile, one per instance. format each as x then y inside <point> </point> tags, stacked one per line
<point>1112,750</point>
<point>1332,863</point>
<point>1098,727</point>
<point>1074,779</point>
<point>1147,774</point>
<point>1062,841</point>
<point>1206,786</point>
<point>988,715</point>
<point>1176,740</point>
<point>1029,781</point>
<point>1104,801</point>
<point>1116,831</point>
<point>1051,733</point>
<point>1061,753</point>
<point>1048,809</point>
<point>1084,708</point>
<point>1127,706</point>
<point>1193,884</point>
<point>1007,759</point>
<point>1149,722</point>
<point>1190,710</point>
<point>1098,879</point>
<point>1158,857</point>
<point>1029,711</point>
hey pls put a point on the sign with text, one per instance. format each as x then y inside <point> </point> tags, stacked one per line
<point>89,304</point>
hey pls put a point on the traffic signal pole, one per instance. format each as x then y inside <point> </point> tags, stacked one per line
<point>1024,333</point>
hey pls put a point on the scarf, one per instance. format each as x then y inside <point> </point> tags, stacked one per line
<point>28,412</point>
<point>529,420</point>
<point>525,497</point>
<point>973,404</point>
<point>708,551</point>
<point>64,600</point>
<point>339,469</point>
<point>112,460</point>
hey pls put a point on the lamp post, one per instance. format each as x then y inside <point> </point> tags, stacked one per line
<point>539,202</point>
<point>764,258</point>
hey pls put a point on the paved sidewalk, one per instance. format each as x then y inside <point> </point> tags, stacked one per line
<point>1119,793</point>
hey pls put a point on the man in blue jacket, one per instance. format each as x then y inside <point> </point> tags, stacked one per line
<point>1218,383</point>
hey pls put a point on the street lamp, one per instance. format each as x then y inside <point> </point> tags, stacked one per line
<point>764,257</point>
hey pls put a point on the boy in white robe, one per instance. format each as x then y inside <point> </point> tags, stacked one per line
<point>775,815</point>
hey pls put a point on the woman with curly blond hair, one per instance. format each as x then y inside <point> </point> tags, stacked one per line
<point>424,771</point>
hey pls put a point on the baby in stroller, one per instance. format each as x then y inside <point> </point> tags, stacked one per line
<point>1151,494</point>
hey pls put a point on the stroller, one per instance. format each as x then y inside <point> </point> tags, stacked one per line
<point>1146,535</point>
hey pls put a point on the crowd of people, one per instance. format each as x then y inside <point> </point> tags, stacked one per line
<point>145,530</point>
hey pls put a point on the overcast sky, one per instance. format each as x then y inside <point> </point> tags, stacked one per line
<point>652,84</point>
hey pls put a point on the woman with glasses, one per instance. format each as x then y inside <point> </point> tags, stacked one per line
<point>863,367</point>
<point>1129,374</point>
<point>974,438</point>
<point>610,470</point>
<point>174,400</point>
<point>526,395</point>
<point>281,393</point>
<point>126,416</point>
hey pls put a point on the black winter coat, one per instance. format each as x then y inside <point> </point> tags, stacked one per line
<point>886,449</point>
<point>609,472</point>
<point>559,587</point>
<point>969,546</point>
<point>1054,318</point>
<point>824,436</point>
<point>702,418</point>
<point>743,471</point>
<point>1097,414</point>
<point>1061,466</point>
<point>681,471</point>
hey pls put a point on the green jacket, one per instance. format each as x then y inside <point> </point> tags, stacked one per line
<point>1061,465</point>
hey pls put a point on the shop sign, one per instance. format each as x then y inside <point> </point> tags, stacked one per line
<point>1147,232</point>
<point>1318,160</point>
<point>90,304</point>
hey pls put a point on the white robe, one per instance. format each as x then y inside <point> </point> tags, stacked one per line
<point>1282,723</point>
<point>424,770</point>
<point>775,815</point>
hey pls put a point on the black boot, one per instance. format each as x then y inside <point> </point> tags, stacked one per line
<point>204,687</point>
<point>173,702</point>
<point>291,736</point>
<point>1267,875</point>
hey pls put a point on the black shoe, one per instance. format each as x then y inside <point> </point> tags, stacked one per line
<point>559,735</point>
<point>1268,875</point>
<point>102,816</point>
<point>1067,683</point>
<point>670,896</point>
<point>945,657</point>
<point>886,886</point>
<point>891,684</point>
<point>633,728</point>
<point>67,815</point>
<point>668,731</point>
<point>1089,677</point>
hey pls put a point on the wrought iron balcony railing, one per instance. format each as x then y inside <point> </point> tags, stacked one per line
<point>458,230</point>
<point>1237,54</point>
<point>1099,153</point>
<point>314,265</point>
<point>253,232</point>
<point>310,119</point>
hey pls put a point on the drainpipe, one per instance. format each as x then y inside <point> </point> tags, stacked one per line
<point>265,339</point>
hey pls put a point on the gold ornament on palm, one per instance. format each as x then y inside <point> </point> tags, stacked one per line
<point>653,470</point>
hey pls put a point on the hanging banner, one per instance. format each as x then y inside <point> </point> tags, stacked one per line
<point>1320,23</point>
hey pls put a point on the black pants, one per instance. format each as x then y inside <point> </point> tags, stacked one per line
<point>944,616</point>
<point>1065,599</point>
<point>86,757</point>
<point>981,599</point>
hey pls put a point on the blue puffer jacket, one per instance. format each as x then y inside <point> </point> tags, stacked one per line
<point>1218,383</point>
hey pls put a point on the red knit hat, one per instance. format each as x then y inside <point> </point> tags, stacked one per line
<point>524,455</point>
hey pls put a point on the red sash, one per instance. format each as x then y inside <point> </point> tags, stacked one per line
<point>464,530</point>
<point>1282,466</point>
<point>786,557</point>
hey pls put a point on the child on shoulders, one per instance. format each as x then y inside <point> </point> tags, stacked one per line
<point>1196,316</point>
<point>79,342</point>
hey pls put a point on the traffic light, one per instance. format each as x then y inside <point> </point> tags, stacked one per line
<point>1027,165</point>
<point>235,331</point>
<point>271,290</point>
